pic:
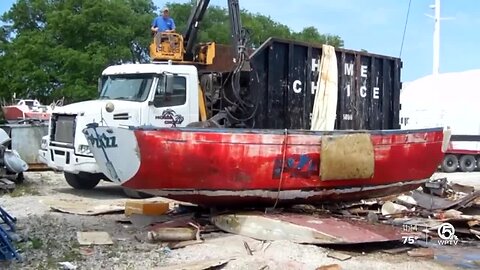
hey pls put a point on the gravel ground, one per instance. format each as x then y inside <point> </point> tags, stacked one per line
<point>51,238</point>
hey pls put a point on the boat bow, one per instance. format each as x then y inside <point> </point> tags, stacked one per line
<point>115,150</point>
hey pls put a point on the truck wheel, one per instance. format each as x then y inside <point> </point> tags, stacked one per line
<point>131,193</point>
<point>81,180</point>
<point>467,163</point>
<point>450,163</point>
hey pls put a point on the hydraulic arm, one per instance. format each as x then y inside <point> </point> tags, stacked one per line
<point>193,23</point>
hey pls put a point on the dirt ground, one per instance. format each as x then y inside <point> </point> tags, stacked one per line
<point>50,238</point>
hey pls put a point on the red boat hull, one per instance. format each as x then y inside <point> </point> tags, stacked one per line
<point>15,113</point>
<point>219,167</point>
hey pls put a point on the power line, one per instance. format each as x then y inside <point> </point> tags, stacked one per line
<point>405,27</point>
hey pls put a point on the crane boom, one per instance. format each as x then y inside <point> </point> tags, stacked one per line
<point>237,32</point>
<point>193,23</point>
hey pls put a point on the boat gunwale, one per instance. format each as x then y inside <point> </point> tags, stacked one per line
<point>282,131</point>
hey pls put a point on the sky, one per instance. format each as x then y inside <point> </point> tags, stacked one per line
<point>377,26</point>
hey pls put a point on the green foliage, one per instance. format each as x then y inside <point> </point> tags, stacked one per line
<point>216,27</point>
<point>57,48</point>
<point>311,34</point>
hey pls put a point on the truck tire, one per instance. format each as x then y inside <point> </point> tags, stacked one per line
<point>450,163</point>
<point>467,163</point>
<point>131,193</point>
<point>81,180</point>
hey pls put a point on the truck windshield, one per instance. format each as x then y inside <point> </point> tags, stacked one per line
<point>132,87</point>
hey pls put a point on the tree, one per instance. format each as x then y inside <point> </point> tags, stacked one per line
<point>216,26</point>
<point>58,48</point>
<point>311,34</point>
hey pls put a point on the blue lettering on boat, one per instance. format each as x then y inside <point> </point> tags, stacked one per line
<point>298,166</point>
<point>103,141</point>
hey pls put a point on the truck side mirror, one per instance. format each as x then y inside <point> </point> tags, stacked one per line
<point>169,84</point>
<point>100,84</point>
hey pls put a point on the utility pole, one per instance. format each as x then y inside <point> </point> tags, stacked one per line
<point>436,36</point>
<point>436,39</point>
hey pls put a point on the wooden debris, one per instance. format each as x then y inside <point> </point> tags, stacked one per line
<point>394,251</point>
<point>85,206</point>
<point>463,188</point>
<point>432,202</point>
<point>6,184</point>
<point>339,256</point>
<point>199,265</point>
<point>148,208</point>
<point>94,238</point>
<point>329,267</point>
<point>473,223</point>
<point>171,234</point>
<point>452,213</point>
<point>421,252</point>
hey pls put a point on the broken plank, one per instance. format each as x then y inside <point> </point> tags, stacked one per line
<point>84,206</point>
<point>329,267</point>
<point>394,251</point>
<point>199,265</point>
<point>421,252</point>
<point>148,208</point>
<point>339,256</point>
<point>463,188</point>
<point>6,184</point>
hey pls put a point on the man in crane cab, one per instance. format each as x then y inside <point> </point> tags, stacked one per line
<point>163,23</point>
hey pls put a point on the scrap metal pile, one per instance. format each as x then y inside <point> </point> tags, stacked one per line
<point>428,207</point>
<point>426,210</point>
<point>439,213</point>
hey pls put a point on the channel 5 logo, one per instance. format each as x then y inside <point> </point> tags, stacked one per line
<point>446,232</point>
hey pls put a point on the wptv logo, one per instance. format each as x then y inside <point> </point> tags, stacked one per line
<point>445,231</point>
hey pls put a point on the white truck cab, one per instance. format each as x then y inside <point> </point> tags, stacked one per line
<point>156,94</point>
